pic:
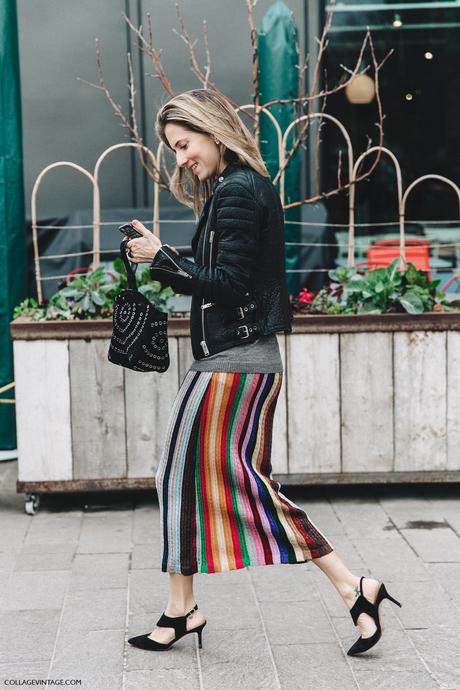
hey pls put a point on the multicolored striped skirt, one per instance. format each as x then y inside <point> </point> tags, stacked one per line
<point>220,508</point>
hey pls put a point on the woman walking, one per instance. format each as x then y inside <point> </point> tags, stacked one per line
<point>220,508</point>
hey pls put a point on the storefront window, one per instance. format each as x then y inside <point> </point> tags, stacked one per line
<point>419,87</point>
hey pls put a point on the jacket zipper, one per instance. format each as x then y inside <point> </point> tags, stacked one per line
<point>204,345</point>
<point>179,269</point>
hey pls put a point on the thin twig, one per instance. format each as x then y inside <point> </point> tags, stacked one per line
<point>319,140</point>
<point>250,4</point>
<point>129,122</point>
<point>202,76</point>
<point>155,55</point>
<point>208,54</point>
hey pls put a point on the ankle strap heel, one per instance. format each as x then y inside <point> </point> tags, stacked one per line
<point>363,605</point>
<point>179,623</point>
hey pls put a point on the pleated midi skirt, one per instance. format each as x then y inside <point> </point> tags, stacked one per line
<point>220,508</point>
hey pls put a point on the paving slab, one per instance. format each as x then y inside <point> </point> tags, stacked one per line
<point>391,558</point>
<point>302,622</point>
<point>395,680</point>
<point>51,528</point>
<point>313,667</point>
<point>425,604</point>
<point>361,514</point>
<point>240,660</point>
<point>24,670</point>
<point>59,560</point>
<point>403,510</point>
<point>95,657</point>
<point>438,545</point>
<point>447,576</point>
<point>440,649</point>
<point>12,533</point>
<point>449,509</point>
<point>28,636</point>
<point>148,591</point>
<point>146,556</point>
<point>145,525</point>
<point>162,679</point>
<point>108,532</point>
<point>99,571</point>
<point>8,557</point>
<point>346,549</point>
<point>94,610</point>
<point>229,607</point>
<point>35,590</point>
<point>283,583</point>
<point>76,583</point>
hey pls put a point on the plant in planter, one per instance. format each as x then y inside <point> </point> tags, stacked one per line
<point>380,291</point>
<point>91,296</point>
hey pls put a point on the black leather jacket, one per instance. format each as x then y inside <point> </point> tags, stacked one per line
<point>238,281</point>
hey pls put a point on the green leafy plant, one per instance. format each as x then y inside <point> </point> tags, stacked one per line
<point>380,291</point>
<point>91,296</point>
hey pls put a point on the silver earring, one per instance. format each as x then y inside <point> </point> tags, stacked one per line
<point>217,141</point>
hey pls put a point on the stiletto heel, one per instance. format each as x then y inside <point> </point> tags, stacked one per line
<point>179,623</point>
<point>199,633</point>
<point>363,605</point>
<point>385,595</point>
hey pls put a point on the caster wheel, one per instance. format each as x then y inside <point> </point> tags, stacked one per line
<point>32,503</point>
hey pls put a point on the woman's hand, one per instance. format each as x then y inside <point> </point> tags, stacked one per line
<point>142,249</point>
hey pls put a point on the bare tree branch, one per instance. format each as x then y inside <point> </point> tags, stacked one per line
<point>302,101</point>
<point>129,122</point>
<point>208,55</point>
<point>155,55</point>
<point>250,4</point>
<point>319,141</point>
<point>202,76</point>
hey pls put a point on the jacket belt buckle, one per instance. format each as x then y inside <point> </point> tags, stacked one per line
<point>243,328</point>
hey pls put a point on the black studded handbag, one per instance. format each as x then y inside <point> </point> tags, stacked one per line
<point>139,338</point>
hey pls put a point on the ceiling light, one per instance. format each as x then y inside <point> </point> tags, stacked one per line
<point>397,21</point>
<point>409,96</point>
<point>428,55</point>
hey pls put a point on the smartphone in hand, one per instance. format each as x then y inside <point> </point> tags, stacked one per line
<point>129,230</point>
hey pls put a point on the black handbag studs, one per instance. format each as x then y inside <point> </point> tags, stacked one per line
<point>139,337</point>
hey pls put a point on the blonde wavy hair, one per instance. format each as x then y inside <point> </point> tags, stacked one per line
<point>207,112</point>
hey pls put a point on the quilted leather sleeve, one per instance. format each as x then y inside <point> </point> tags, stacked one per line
<point>236,234</point>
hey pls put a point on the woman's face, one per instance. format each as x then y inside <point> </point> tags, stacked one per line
<point>195,151</point>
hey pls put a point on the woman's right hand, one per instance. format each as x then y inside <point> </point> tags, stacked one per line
<point>166,245</point>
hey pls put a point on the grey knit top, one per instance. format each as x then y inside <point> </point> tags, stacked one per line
<point>262,356</point>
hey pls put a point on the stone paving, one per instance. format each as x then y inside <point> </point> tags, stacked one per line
<point>82,575</point>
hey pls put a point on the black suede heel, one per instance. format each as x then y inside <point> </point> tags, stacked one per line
<point>179,623</point>
<point>363,605</point>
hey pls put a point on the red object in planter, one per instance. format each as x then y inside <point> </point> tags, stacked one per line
<point>71,275</point>
<point>382,253</point>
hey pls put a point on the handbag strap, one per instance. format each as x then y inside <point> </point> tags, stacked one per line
<point>132,283</point>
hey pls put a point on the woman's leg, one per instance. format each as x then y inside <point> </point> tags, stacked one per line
<point>181,600</point>
<point>347,585</point>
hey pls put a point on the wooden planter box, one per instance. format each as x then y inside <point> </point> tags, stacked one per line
<point>364,399</point>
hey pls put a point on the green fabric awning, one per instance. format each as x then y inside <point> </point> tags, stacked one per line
<point>278,78</point>
<point>12,217</point>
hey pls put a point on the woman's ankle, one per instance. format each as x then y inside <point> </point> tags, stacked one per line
<point>175,608</point>
<point>349,590</point>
